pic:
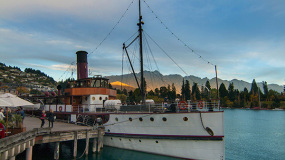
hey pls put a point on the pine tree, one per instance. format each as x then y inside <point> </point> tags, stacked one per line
<point>187,91</point>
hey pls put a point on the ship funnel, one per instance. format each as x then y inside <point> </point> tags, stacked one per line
<point>82,68</point>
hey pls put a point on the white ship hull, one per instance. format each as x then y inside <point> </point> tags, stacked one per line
<point>181,135</point>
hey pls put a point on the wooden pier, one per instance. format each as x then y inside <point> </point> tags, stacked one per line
<point>16,144</point>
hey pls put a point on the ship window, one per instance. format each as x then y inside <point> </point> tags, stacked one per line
<point>151,119</point>
<point>130,119</point>
<point>111,138</point>
<point>108,130</point>
<point>100,98</point>
<point>106,98</point>
<point>156,141</point>
<point>140,140</point>
<point>120,139</point>
<point>164,119</point>
<point>93,98</point>
<point>130,140</point>
<point>116,119</point>
<point>140,119</point>
<point>185,118</point>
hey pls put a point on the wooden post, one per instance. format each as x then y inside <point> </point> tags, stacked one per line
<point>4,155</point>
<point>87,143</point>
<point>29,153</point>
<point>56,151</point>
<point>100,139</point>
<point>75,145</point>
<point>94,145</point>
<point>12,158</point>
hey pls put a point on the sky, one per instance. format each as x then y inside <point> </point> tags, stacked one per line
<point>245,39</point>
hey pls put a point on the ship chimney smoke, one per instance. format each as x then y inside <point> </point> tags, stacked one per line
<point>82,69</point>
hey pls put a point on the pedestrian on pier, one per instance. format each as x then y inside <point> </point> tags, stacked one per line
<point>2,114</point>
<point>43,115</point>
<point>51,118</point>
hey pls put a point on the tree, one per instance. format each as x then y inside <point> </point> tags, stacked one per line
<point>196,92</point>
<point>183,90</point>
<point>254,88</point>
<point>163,92</point>
<point>122,97</point>
<point>231,94</point>
<point>156,92</point>
<point>150,93</point>
<point>22,89</point>
<point>265,89</point>
<point>223,91</point>
<point>208,89</point>
<point>187,91</point>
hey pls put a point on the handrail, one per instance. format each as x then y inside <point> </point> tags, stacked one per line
<point>4,142</point>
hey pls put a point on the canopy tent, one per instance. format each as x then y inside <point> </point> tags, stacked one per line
<point>10,100</point>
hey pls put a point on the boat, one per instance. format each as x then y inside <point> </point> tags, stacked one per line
<point>187,130</point>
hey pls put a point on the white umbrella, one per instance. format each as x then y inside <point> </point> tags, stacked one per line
<point>14,101</point>
<point>4,103</point>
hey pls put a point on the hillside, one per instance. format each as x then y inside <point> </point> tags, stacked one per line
<point>156,80</point>
<point>12,78</point>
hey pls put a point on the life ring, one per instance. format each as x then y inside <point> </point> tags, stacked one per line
<point>200,104</point>
<point>183,105</point>
<point>60,108</point>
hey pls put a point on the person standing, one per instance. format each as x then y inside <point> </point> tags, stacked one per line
<point>43,115</point>
<point>1,114</point>
<point>50,118</point>
<point>22,113</point>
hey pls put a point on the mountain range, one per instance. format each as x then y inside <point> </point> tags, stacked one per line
<point>154,79</point>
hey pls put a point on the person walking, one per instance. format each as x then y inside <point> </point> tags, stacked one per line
<point>50,118</point>
<point>43,115</point>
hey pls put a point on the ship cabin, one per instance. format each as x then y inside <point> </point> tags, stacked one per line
<point>89,94</point>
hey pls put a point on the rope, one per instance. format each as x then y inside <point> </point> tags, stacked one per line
<point>112,28</point>
<point>177,36</point>
<point>203,124</point>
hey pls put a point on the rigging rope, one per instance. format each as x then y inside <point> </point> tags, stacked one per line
<point>71,64</point>
<point>112,28</point>
<point>168,56</point>
<point>177,36</point>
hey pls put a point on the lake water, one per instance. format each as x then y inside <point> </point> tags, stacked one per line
<point>249,135</point>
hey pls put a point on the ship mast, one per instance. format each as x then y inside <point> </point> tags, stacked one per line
<point>141,54</point>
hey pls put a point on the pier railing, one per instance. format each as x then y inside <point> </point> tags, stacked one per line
<point>13,145</point>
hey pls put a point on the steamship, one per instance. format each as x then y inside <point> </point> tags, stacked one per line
<point>188,130</point>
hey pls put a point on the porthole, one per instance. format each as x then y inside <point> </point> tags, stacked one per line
<point>130,119</point>
<point>130,140</point>
<point>111,138</point>
<point>164,119</point>
<point>156,141</point>
<point>185,118</point>
<point>120,139</point>
<point>100,98</point>
<point>108,130</point>
<point>116,119</point>
<point>140,119</point>
<point>140,140</point>
<point>106,98</point>
<point>151,119</point>
<point>93,98</point>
